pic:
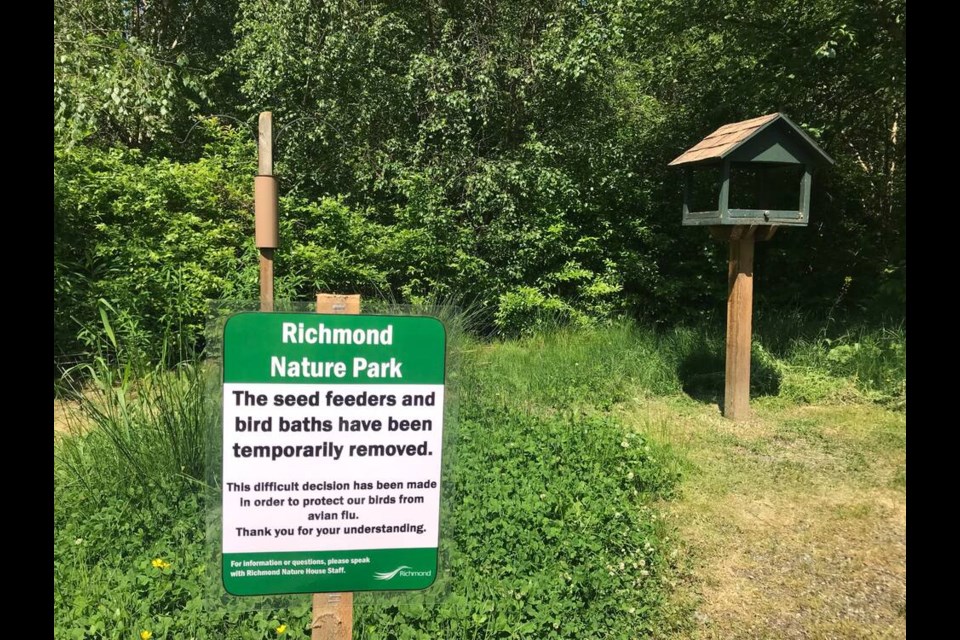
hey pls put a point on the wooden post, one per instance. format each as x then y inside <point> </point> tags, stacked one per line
<point>265,209</point>
<point>337,303</point>
<point>736,396</point>
<point>333,612</point>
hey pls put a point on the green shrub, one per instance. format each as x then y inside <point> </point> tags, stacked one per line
<point>155,239</point>
<point>871,361</point>
<point>527,310</point>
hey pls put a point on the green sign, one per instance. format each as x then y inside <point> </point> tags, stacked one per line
<point>332,435</point>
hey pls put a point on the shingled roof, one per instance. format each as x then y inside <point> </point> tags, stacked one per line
<point>721,142</point>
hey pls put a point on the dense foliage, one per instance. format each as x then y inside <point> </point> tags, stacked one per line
<point>510,154</point>
<point>552,517</point>
<point>551,525</point>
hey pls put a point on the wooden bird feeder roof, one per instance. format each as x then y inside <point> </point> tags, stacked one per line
<point>720,144</point>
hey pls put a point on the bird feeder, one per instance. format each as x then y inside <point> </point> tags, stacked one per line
<point>743,182</point>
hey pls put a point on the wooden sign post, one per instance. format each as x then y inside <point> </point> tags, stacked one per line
<point>332,617</point>
<point>265,209</point>
<point>333,612</point>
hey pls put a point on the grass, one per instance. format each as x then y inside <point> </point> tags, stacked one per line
<point>142,424</point>
<point>794,522</point>
<point>564,515</point>
<point>576,369</point>
<point>571,369</point>
<point>751,503</point>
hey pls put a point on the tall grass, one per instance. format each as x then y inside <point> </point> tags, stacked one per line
<point>140,420</point>
<point>792,357</point>
<point>572,368</point>
<point>871,360</point>
<point>136,421</point>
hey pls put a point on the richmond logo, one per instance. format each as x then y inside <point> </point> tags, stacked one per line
<point>403,571</point>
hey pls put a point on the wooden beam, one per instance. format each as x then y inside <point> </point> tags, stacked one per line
<point>765,233</point>
<point>265,144</point>
<point>266,279</point>
<point>332,616</point>
<point>338,303</point>
<point>333,612</point>
<point>736,397</point>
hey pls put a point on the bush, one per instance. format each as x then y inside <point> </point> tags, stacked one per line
<point>155,239</point>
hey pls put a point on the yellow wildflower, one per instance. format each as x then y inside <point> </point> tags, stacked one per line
<point>159,563</point>
<point>282,629</point>
<point>146,635</point>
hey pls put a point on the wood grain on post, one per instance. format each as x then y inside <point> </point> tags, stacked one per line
<point>265,144</point>
<point>765,233</point>
<point>333,612</point>
<point>332,616</point>
<point>265,208</point>
<point>266,279</point>
<point>736,396</point>
<point>338,303</point>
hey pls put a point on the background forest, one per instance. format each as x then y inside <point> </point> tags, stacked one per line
<point>507,155</point>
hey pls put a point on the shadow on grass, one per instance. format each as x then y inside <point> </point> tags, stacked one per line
<point>701,374</point>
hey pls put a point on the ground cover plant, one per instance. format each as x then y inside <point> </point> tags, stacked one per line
<point>550,529</point>
<point>560,483</point>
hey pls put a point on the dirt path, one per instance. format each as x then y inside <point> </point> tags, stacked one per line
<point>66,416</point>
<point>794,522</point>
<point>61,416</point>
